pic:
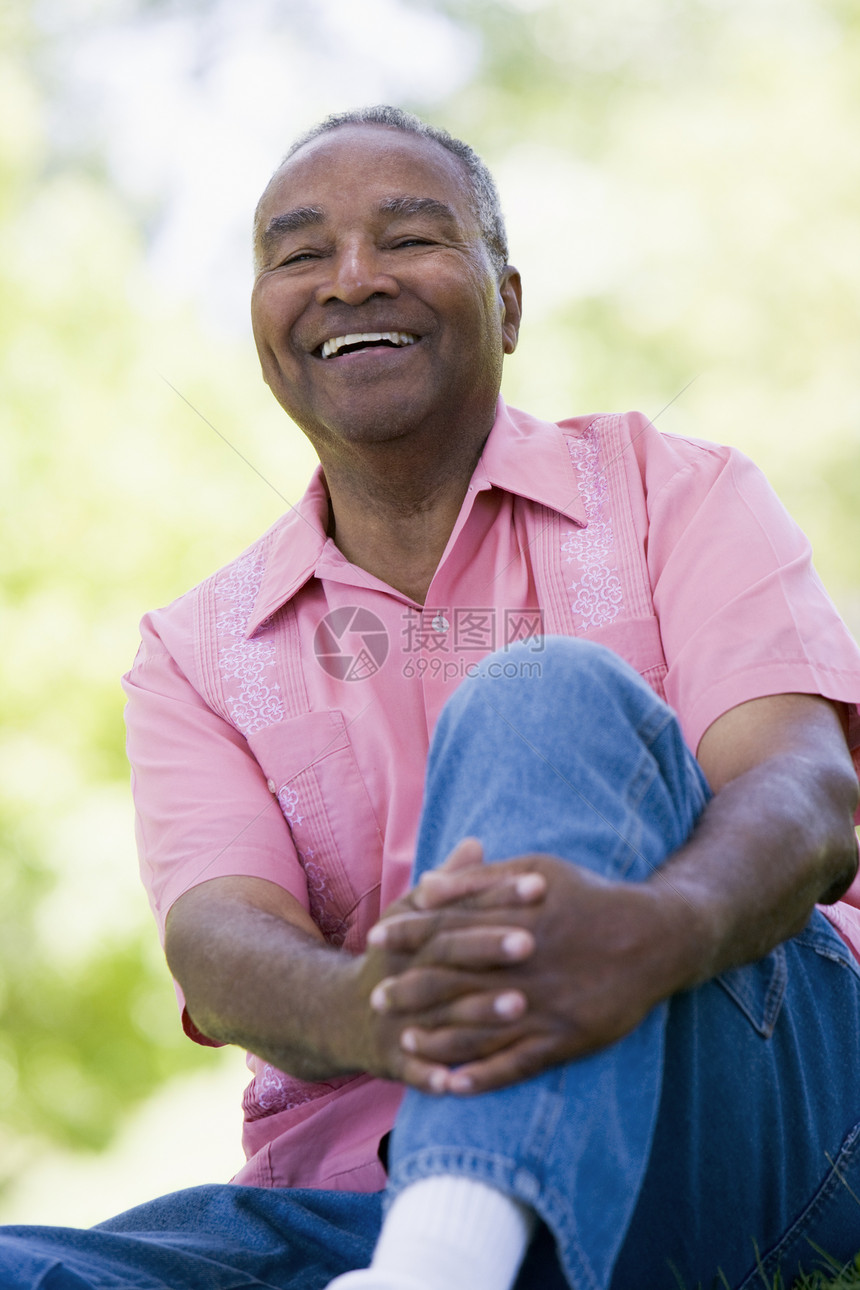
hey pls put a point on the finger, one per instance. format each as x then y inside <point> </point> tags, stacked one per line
<point>486,1009</point>
<point>477,948</point>
<point>420,989</point>
<point>511,1065</point>
<point>511,891</point>
<point>464,952</point>
<point>466,854</point>
<point>455,1045</point>
<point>439,935</point>
<point>487,887</point>
<point>403,933</point>
<point>429,1077</point>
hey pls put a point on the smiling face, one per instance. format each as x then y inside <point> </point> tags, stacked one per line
<point>376,311</point>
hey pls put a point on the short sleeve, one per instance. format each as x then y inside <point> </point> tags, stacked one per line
<point>203,807</point>
<point>742,612</point>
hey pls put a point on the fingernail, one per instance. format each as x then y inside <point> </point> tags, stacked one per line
<point>508,1005</point>
<point>379,999</point>
<point>460,1083</point>
<point>409,1041</point>
<point>377,935</point>
<point>516,944</point>
<point>438,1081</point>
<point>530,884</point>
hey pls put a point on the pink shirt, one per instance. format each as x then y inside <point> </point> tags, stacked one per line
<point>280,713</point>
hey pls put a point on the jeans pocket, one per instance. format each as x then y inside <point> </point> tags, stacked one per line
<point>758,989</point>
<point>821,936</point>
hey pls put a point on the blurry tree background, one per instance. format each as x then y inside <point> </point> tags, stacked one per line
<point>682,185</point>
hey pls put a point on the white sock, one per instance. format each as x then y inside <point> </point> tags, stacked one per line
<point>447,1233</point>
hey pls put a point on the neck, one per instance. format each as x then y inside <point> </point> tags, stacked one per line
<point>393,517</point>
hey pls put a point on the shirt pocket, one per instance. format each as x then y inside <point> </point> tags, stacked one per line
<point>311,768</point>
<point>639,643</point>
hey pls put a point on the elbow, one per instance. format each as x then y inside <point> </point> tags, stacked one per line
<point>182,950</point>
<point>842,870</point>
<point>841,849</point>
<point>176,952</point>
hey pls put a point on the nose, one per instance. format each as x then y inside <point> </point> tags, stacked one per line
<point>357,273</point>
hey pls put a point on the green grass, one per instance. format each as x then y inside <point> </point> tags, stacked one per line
<point>829,1275</point>
<point>836,1277</point>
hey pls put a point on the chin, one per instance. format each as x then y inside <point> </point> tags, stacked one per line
<point>363,425</point>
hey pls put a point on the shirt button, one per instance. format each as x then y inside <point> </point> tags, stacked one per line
<point>271,786</point>
<point>440,623</point>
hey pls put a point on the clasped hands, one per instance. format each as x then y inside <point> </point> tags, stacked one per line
<point>486,974</point>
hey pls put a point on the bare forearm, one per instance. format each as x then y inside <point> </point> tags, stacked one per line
<point>252,979</point>
<point>457,1008</point>
<point>256,972</point>
<point>771,844</point>
<point>776,839</point>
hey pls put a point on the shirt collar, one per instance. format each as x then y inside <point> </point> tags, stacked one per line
<point>295,545</point>
<point>530,458</point>
<point>523,455</point>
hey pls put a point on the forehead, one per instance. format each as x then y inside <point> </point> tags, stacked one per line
<point>368,163</point>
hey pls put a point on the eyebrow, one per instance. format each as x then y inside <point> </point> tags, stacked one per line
<point>417,206</point>
<point>308,216</point>
<point>290,222</point>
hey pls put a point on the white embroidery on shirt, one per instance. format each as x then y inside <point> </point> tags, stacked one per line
<point>271,1091</point>
<point>597,593</point>
<point>251,662</point>
<point>270,1085</point>
<point>289,802</point>
<point>321,899</point>
<point>255,703</point>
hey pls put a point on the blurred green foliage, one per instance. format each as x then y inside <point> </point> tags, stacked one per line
<point>683,189</point>
<point>683,185</point>
<point>117,497</point>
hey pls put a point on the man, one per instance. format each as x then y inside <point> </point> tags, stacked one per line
<point>628,1039</point>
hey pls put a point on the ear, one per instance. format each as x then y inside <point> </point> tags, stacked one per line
<point>511,294</point>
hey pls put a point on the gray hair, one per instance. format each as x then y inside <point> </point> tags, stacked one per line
<point>485,195</point>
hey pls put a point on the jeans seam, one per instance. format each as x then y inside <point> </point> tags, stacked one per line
<point>820,943</point>
<point>490,1166</point>
<point>770,1262</point>
<point>628,846</point>
<point>762,1018</point>
<point>650,727</point>
<point>509,1175</point>
<point>547,1114</point>
<point>524,1173</point>
<point>573,1259</point>
<point>776,989</point>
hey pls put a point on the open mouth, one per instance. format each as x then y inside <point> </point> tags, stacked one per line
<point>366,340</point>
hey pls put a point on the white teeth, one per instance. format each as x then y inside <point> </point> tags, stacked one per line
<point>356,338</point>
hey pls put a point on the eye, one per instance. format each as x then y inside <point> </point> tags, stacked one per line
<point>412,241</point>
<point>298,257</point>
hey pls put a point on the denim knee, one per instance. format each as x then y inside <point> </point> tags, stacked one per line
<point>563,749</point>
<point>550,670</point>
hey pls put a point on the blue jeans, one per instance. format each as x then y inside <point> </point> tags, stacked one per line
<point>721,1136</point>
<point>728,1123</point>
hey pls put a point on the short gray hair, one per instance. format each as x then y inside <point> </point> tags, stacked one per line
<point>485,195</point>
